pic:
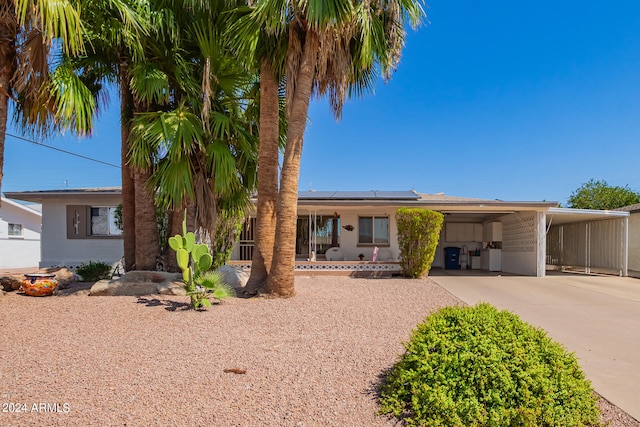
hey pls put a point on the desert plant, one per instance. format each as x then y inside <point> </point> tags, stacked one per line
<point>94,271</point>
<point>418,236</point>
<point>477,366</point>
<point>195,260</point>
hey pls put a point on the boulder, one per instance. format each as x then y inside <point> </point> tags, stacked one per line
<point>235,277</point>
<point>64,276</point>
<point>136,283</point>
<point>11,283</point>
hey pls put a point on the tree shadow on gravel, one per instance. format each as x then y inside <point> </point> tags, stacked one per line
<point>168,305</point>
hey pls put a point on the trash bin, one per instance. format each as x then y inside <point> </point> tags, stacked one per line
<point>452,258</point>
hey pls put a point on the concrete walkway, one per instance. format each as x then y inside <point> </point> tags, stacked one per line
<point>596,317</point>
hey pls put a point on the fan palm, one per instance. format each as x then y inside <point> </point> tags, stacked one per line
<point>199,141</point>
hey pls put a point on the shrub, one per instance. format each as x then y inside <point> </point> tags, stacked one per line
<point>477,366</point>
<point>418,236</point>
<point>94,271</point>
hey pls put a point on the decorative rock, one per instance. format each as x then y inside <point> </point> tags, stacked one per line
<point>172,288</point>
<point>235,277</point>
<point>136,283</point>
<point>11,283</point>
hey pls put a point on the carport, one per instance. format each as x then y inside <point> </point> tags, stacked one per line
<point>592,241</point>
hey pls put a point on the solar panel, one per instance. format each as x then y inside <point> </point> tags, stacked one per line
<point>358,195</point>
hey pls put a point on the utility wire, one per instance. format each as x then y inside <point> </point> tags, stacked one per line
<point>63,151</point>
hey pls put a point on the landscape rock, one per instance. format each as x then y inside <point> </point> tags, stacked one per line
<point>136,283</point>
<point>235,277</point>
<point>172,288</point>
<point>11,283</point>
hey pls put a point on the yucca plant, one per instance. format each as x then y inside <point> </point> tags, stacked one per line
<point>195,261</point>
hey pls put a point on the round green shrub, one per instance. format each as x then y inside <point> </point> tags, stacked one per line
<point>478,366</point>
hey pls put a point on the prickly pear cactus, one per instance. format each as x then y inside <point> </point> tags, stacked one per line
<point>195,260</point>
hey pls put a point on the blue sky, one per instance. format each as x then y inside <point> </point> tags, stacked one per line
<point>500,100</point>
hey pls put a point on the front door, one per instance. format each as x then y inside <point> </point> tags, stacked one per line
<point>316,233</point>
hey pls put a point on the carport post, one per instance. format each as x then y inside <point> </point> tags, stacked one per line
<point>625,240</point>
<point>541,244</point>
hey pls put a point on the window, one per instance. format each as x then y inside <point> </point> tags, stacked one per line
<point>92,222</point>
<point>103,221</point>
<point>15,230</point>
<point>373,230</point>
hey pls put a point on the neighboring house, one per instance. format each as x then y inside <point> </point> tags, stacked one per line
<point>20,227</point>
<point>77,225</point>
<point>335,227</point>
<point>634,238</point>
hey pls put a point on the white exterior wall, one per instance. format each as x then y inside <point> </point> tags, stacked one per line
<point>523,243</point>
<point>634,241</point>
<point>58,250</point>
<point>349,239</point>
<point>24,251</point>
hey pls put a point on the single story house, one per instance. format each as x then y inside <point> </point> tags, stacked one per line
<point>513,237</point>
<point>77,225</point>
<point>336,227</point>
<point>20,227</point>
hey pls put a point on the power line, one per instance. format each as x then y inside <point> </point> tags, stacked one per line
<point>63,151</point>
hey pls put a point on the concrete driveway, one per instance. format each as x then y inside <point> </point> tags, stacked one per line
<point>596,317</point>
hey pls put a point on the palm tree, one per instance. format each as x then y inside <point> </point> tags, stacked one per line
<point>199,133</point>
<point>333,48</point>
<point>264,51</point>
<point>28,30</point>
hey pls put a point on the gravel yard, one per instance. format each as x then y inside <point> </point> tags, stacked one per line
<point>313,360</point>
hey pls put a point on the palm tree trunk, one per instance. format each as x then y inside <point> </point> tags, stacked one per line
<point>264,237</point>
<point>8,31</point>
<point>281,276</point>
<point>128,188</point>
<point>4,111</point>
<point>147,242</point>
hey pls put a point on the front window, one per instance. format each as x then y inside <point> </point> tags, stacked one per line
<point>103,221</point>
<point>373,230</point>
<point>15,230</point>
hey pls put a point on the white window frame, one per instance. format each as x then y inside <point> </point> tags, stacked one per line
<point>11,230</point>
<point>113,230</point>
<point>373,231</point>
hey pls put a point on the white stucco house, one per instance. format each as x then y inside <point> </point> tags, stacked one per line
<point>336,227</point>
<point>77,225</point>
<point>20,227</point>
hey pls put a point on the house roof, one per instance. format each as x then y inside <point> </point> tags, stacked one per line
<point>40,195</point>
<point>358,195</point>
<point>631,208</point>
<point>437,201</point>
<point>32,210</point>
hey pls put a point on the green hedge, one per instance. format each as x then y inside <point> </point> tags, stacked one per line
<point>418,236</point>
<point>477,366</point>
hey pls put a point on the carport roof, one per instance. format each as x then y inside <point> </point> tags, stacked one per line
<point>558,216</point>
